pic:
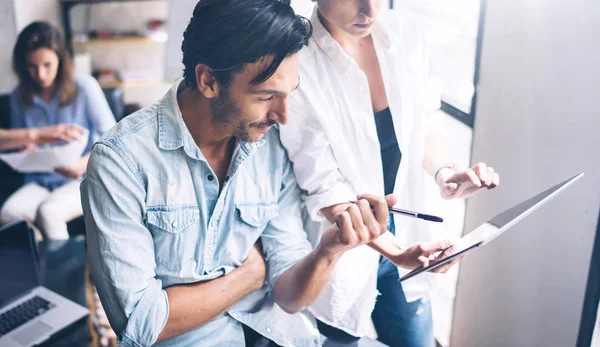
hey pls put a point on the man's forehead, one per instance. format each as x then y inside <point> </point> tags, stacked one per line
<point>286,71</point>
<point>256,68</point>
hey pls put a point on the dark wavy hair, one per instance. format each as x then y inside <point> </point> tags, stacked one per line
<point>43,35</point>
<point>226,35</point>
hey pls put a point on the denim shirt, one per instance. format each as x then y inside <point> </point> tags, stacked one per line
<point>155,218</point>
<point>88,109</point>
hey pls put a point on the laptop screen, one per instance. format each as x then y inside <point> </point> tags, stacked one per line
<point>18,267</point>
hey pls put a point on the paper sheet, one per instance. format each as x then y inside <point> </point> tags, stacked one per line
<point>46,159</point>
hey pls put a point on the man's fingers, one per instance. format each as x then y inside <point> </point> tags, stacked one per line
<point>391,199</point>
<point>372,227</point>
<point>345,234</point>
<point>380,208</point>
<point>357,212</point>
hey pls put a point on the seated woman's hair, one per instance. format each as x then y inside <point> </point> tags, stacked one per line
<point>35,36</point>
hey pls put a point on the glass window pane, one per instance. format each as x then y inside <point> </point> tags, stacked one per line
<point>451,30</point>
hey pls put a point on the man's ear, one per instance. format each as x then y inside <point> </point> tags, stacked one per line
<point>206,82</point>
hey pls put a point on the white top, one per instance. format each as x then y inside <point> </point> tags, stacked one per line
<point>332,140</point>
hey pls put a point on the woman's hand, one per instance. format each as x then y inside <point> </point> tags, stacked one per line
<point>415,255</point>
<point>74,171</point>
<point>60,132</point>
<point>464,183</point>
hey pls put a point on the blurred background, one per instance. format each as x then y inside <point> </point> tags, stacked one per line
<point>519,81</point>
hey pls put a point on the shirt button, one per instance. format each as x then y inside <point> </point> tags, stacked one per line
<point>213,223</point>
<point>174,224</point>
<point>268,330</point>
<point>255,218</point>
<point>210,177</point>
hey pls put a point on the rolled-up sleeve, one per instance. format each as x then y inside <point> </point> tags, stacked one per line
<point>315,165</point>
<point>121,251</point>
<point>284,240</point>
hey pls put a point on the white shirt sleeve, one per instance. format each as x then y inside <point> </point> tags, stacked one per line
<point>316,168</point>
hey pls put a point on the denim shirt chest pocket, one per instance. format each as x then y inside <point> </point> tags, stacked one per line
<point>251,220</point>
<point>175,231</point>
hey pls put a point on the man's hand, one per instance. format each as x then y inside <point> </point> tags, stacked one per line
<point>255,266</point>
<point>464,183</point>
<point>357,225</point>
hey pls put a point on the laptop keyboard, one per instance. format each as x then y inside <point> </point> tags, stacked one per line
<point>23,313</point>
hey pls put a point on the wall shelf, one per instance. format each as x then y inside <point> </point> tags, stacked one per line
<point>117,40</point>
<point>131,83</point>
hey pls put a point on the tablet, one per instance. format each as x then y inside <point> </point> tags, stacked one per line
<point>493,228</point>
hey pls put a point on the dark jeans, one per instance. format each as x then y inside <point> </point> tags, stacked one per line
<point>400,323</point>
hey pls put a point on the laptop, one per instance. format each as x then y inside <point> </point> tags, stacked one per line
<point>491,229</point>
<point>29,313</point>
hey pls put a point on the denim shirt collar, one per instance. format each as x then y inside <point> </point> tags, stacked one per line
<point>173,133</point>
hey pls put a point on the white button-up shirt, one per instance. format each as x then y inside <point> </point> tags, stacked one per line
<point>332,140</point>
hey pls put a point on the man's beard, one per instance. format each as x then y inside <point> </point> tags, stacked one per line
<point>228,113</point>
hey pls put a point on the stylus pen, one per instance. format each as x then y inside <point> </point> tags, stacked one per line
<point>413,214</point>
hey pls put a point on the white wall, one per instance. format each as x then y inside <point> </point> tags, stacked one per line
<point>14,16</point>
<point>303,7</point>
<point>125,16</point>
<point>537,122</point>
<point>28,11</point>
<point>135,60</point>
<point>180,13</point>
<point>8,28</point>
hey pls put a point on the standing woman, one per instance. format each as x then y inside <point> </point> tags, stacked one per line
<point>50,94</point>
<point>358,126</point>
